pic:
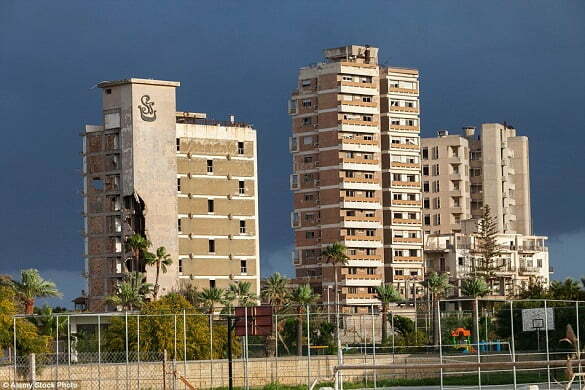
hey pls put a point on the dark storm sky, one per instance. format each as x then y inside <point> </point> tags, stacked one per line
<point>516,61</point>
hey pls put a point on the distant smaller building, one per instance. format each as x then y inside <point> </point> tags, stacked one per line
<point>523,259</point>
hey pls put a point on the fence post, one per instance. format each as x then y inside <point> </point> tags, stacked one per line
<point>246,348</point>
<point>99,334</point>
<point>440,339</point>
<point>513,345</point>
<point>578,343</point>
<point>308,350</point>
<point>14,347</point>
<point>126,340</point>
<point>211,347</point>
<point>164,369</point>
<point>175,352</point>
<point>374,346</point>
<point>138,348</point>
<point>276,344</point>
<point>476,315</point>
<point>69,348</point>
<point>56,350</point>
<point>547,349</point>
<point>33,370</point>
<point>185,344</point>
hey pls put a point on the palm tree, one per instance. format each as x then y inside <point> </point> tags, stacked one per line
<point>241,292</point>
<point>190,293</point>
<point>210,298</point>
<point>161,259</point>
<point>302,297</point>
<point>275,291</point>
<point>436,284</point>
<point>130,292</point>
<point>33,286</point>
<point>387,294</point>
<point>137,244</point>
<point>335,254</point>
<point>568,289</point>
<point>474,288</point>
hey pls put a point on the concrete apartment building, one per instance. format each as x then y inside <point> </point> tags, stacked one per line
<point>185,182</point>
<point>523,259</point>
<point>462,173</point>
<point>356,175</point>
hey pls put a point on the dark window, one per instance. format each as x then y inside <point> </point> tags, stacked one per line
<point>211,246</point>
<point>210,166</point>
<point>210,206</point>
<point>243,267</point>
<point>242,227</point>
<point>241,187</point>
<point>179,224</point>
<point>178,144</point>
<point>212,283</point>
<point>240,148</point>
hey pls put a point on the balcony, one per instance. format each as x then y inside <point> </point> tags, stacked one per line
<point>357,122</point>
<point>345,160</point>
<point>361,280</point>
<point>357,108</point>
<point>365,257</point>
<point>359,141</point>
<point>358,103</point>
<point>417,278</point>
<point>305,166</point>
<point>403,202</point>
<point>398,164</point>
<point>403,90</point>
<point>404,146</point>
<point>403,109</point>
<point>407,240</point>
<point>361,238</point>
<point>530,271</point>
<point>407,259</point>
<point>359,199</point>
<point>403,221</point>
<point>360,180</point>
<point>356,84</point>
<point>412,184</point>
<point>415,129</point>
<point>359,218</point>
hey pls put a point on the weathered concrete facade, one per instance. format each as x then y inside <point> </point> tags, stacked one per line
<point>132,167</point>
<point>346,174</point>
<point>462,173</point>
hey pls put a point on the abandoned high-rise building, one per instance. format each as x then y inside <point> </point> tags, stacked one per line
<point>356,175</point>
<point>183,181</point>
<point>463,173</point>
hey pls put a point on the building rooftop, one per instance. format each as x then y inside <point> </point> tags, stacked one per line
<point>132,80</point>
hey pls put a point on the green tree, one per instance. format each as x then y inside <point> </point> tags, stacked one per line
<point>137,245</point>
<point>569,289</point>
<point>211,298</point>
<point>275,291</point>
<point>190,293</point>
<point>130,293</point>
<point>32,286</point>
<point>161,260</point>
<point>475,288</point>
<point>387,294</point>
<point>335,254</point>
<point>488,248</point>
<point>302,297</point>
<point>28,339</point>
<point>437,285</point>
<point>157,331</point>
<point>241,293</point>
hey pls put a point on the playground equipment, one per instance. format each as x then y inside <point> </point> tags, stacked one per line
<point>460,338</point>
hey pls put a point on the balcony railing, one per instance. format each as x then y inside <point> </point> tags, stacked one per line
<point>407,259</point>
<point>363,277</point>
<point>346,160</point>
<point>403,90</point>
<point>356,84</point>
<point>359,141</point>
<point>404,202</point>
<point>404,128</point>
<point>359,199</point>
<point>403,109</point>
<point>359,218</point>
<point>364,257</point>
<point>404,221</point>
<point>357,122</point>
<point>404,146</point>
<point>357,103</point>
<point>398,164</point>
<point>406,183</point>
<point>360,180</point>
<point>417,240</point>
<point>361,238</point>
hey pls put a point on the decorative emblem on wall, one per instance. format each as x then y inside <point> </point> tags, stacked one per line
<point>147,113</point>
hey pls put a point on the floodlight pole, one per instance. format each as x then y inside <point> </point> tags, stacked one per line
<point>230,327</point>
<point>546,340</point>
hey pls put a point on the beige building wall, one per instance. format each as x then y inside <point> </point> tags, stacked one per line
<point>217,191</point>
<point>134,165</point>
<point>498,175</point>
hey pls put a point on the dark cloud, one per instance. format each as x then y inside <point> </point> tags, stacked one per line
<point>520,62</point>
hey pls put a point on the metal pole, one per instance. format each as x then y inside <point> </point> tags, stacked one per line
<point>308,350</point>
<point>365,346</point>
<point>578,343</point>
<point>126,332</point>
<point>440,339</point>
<point>211,346</point>
<point>476,312</point>
<point>229,351</point>
<point>185,344</point>
<point>99,334</point>
<point>175,351</point>
<point>276,342</point>
<point>69,348</point>
<point>328,305</point>
<point>56,350</point>
<point>246,349</point>
<point>14,346</point>
<point>513,346</point>
<point>392,324</point>
<point>547,349</point>
<point>374,346</point>
<point>138,348</point>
